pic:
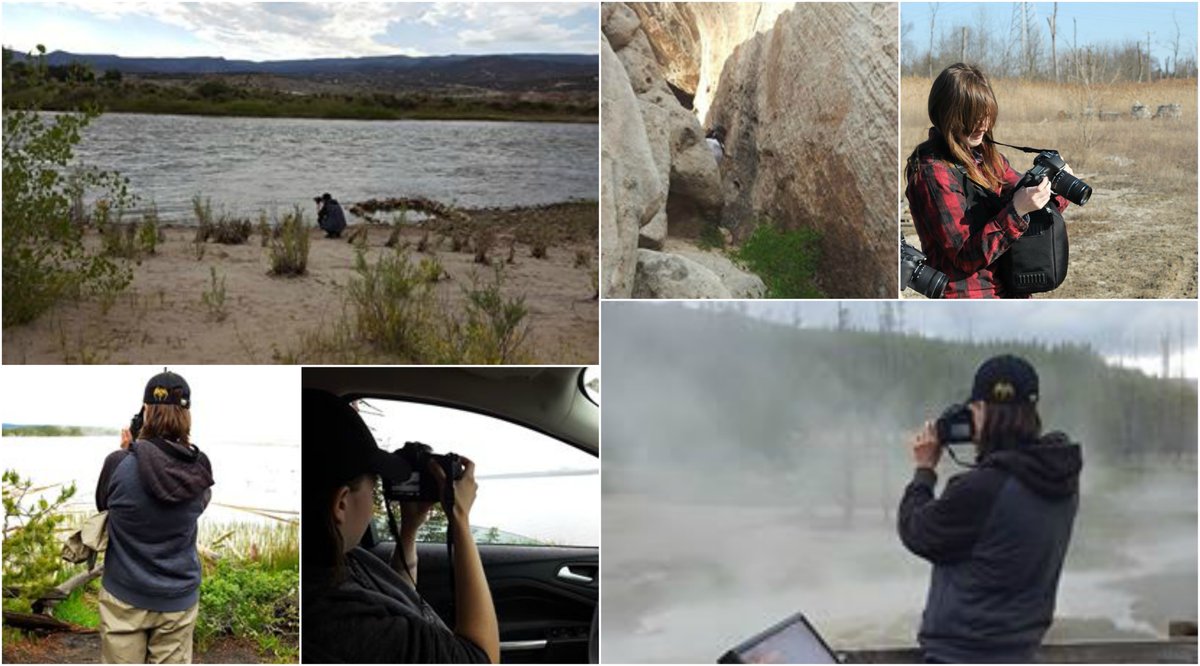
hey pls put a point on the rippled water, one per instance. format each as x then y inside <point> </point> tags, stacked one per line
<point>249,164</point>
<point>238,470</point>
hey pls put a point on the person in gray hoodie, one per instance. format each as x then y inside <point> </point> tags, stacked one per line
<point>998,534</point>
<point>154,489</point>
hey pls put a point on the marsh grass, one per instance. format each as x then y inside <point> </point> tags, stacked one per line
<point>393,312</point>
<point>289,245</point>
<point>214,297</point>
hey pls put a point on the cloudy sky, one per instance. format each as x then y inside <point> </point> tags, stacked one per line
<point>1129,329</point>
<point>291,30</point>
<point>253,404</point>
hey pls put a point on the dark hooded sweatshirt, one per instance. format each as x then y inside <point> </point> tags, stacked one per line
<point>374,617</point>
<point>996,538</point>
<point>154,492</point>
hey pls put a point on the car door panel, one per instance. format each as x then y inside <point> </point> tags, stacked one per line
<point>544,596</point>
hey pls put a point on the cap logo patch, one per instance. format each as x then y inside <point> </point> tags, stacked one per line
<point>1003,391</point>
<point>160,393</point>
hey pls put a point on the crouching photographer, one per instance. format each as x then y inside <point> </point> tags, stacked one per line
<point>998,534</point>
<point>994,233</point>
<point>356,607</point>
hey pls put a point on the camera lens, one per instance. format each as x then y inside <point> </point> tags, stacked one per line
<point>928,281</point>
<point>1075,190</point>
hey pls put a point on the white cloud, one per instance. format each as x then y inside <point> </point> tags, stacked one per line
<point>263,31</point>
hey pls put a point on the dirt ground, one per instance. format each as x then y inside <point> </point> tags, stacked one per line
<point>161,318</point>
<point>66,648</point>
<point>1136,237</point>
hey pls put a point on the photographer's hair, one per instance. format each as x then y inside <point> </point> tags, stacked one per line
<point>1009,425</point>
<point>324,549</point>
<point>959,100</point>
<point>170,422</point>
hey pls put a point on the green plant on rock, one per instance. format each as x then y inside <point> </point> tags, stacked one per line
<point>786,260</point>
<point>32,562</point>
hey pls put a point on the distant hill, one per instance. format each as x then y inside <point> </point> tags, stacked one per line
<point>25,430</point>
<point>533,71</point>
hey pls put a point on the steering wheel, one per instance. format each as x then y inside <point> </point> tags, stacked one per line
<point>594,637</point>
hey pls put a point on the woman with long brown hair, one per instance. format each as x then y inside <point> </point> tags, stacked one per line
<point>961,190</point>
<point>154,489</point>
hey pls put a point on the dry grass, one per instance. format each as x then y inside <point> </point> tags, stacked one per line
<point>1136,238</point>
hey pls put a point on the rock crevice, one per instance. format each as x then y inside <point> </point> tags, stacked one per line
<point>807,94</point>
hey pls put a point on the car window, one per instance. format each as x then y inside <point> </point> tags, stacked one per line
<point>533,489</point>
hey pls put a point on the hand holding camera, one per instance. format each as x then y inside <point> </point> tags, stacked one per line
<point>1031,198</point>
<point>926,448</point>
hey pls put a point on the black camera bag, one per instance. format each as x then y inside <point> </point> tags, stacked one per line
<point>1037,261</point>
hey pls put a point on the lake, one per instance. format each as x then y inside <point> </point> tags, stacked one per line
<point>262,476</point>
<point>252,164</point>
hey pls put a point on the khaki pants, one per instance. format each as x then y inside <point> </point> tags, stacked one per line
<point>131,635</point>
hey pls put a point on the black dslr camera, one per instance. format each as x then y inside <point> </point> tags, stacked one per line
<point>956,425</point>
<point>1048,164</point>
<point>919,276</point>
<point>420,485</point>
<point>136,423</point>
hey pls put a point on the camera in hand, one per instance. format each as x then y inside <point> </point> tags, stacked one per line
<point>420,485</point>
<point>918,275</point>
<point>136,423</point>
<point>956,425</point>
<point>1049,164</point>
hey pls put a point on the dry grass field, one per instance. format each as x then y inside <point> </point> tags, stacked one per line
<point>1136,237</point>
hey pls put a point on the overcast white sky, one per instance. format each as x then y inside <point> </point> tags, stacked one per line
<point>259,404</point>
<point>296,30</point>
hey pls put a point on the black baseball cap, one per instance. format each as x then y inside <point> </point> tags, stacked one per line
<point>337,446</point>
<point>1005,379</point>
<point>167,388</point>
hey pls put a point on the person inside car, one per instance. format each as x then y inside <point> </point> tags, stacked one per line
<point>356,607</point>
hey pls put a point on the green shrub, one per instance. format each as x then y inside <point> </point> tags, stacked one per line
<point>249,599</point>
<point>494,328</point>
<point>120,240</point>
<point>44,257</point>
<point>148,232</point>
<point>785,260</point>
<point>289,247</point>
<point>32,562</point>
<point>393,305</point>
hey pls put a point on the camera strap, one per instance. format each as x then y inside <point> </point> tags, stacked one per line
<point>448,500</point>
<point>1024,149</point>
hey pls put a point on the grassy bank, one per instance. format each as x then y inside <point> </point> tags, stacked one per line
<point>222,99</point>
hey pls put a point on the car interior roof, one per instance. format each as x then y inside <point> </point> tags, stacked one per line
<point>546,399</point>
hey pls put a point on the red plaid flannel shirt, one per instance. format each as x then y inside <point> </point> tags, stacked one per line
<point>965,255</point>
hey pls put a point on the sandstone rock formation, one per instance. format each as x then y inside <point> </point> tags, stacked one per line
<point>661,275</point>
<point>808,96</point>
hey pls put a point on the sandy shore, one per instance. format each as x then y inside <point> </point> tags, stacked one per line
<point>161,317</point>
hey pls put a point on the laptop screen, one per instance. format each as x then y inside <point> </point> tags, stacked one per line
<point>793,641</point>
